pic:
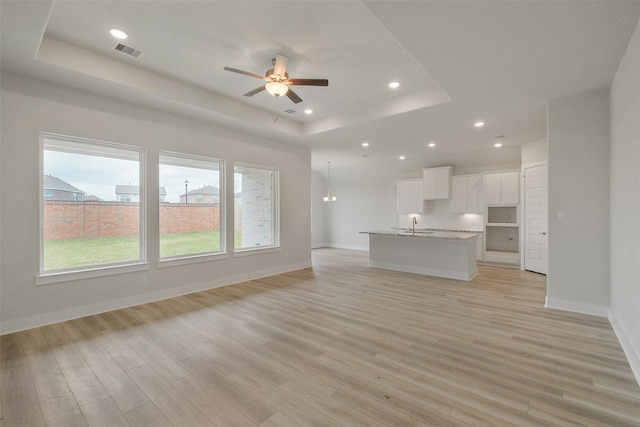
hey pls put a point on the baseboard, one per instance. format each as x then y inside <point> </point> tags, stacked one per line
<point>23,323</point>
<point>577,307</point>
<point>633,355</point>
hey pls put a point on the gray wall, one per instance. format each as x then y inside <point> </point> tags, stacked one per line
<point>625,202</point>
<point>578,278</point>
<point>30,106</point>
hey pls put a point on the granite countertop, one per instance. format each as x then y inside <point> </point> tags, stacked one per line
<point>430,234</point>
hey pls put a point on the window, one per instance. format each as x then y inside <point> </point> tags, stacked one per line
<point>83,225</point>
<point>190,221</point>
<point>256,206</point>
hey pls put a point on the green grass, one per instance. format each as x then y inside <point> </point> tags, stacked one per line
<point>189,243</point>
<point>70,253</point>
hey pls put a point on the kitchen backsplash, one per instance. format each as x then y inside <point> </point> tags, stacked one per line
<point>438,215</point>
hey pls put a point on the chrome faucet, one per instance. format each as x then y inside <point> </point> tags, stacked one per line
<point>413,225</point>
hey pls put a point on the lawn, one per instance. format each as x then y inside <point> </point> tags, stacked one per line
<point>69,253</point>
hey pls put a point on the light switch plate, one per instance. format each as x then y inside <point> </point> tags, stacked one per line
<point>561,216</point>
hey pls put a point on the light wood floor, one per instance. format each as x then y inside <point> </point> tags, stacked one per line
<point>336,345</point>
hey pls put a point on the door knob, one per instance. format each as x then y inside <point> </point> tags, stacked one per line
<point>543,233</point>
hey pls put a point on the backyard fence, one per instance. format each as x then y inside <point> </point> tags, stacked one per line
<point>69,220</point>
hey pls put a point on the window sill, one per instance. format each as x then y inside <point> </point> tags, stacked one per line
<point>256,251</point>
<point>68,276</point>
<point>191,259</point>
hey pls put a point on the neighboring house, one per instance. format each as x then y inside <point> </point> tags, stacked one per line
<point>57,189</point>
<point>206,194</point>
<point>92,198</point>
<point>131,193</point>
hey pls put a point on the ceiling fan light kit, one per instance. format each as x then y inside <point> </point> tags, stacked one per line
<point>278,80</point>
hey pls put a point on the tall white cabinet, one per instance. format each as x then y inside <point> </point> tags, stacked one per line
<point>501,192</point>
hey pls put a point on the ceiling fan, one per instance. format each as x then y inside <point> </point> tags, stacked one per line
<point>278,80</point>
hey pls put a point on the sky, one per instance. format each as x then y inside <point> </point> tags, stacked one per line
<point>98,176</point>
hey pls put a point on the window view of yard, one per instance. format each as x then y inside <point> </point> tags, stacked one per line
<point>69,253</point>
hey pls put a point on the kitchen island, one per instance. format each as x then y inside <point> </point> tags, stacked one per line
<point>449,254</point>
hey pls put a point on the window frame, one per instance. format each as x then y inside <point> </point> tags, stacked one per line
<point>275,216</point>
<point>93,270</point>
<point>183,159</point>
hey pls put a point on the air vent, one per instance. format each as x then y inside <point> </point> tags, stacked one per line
<point>290,111</point>
<point>128,50</point>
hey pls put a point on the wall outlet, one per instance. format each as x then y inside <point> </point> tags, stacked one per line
<point>143,279</point>
<point>561,216</point>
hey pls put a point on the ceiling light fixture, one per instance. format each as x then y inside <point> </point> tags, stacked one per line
<point>365,144</point>
<point>478,124</point>
<point>119,34</point>
<point>497,144</point>
<point>308,110</point>
<point>329,198</point>
<point>276,88</point>
<point>394,85</point>
<point>401,157</point>
<point>432,144</point>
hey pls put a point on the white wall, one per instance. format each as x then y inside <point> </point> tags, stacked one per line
<point>30,106</point>
<point>578,278</point>
<point>535,152</point>
<point>362,205</point>
<point>625,202</point>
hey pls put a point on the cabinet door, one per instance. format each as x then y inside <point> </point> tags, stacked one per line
<point>428,184</point>
<point>491,189</point>
<point>417,198</point>
<point>403,196</point>
<point>437,183</point>
<point>510,188</point>
<point>459,194</point>
<point>474,194</point>
<point>443,183</point>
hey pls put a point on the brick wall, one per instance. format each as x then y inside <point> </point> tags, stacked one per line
<point>68,220</point>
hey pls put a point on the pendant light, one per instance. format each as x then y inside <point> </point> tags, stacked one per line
<point>328,198</point>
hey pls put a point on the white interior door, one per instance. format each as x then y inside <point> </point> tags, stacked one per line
<point>535,219</point>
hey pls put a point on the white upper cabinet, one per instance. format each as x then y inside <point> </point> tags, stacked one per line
<point>409,196</point>
<point>501,188</point>
<point>437,183</point>
<point>466,194</point>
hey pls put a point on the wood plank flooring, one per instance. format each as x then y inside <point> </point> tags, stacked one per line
<point>337,345</point>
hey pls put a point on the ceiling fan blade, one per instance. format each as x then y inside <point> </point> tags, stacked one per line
<point>246,73</point>
<point>253,92</point>
<point>293,96</point>
<point>308,82</point>
<point>280,65</point>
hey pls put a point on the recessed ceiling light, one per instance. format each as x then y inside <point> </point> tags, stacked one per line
<point>432,144</point>
<point>119,34</point>
<point>308,111</point>
<point>394,85</point>
<point>497,144</point>
<point>401,157</point>
<point>478,124</point>
<point>365,144</point>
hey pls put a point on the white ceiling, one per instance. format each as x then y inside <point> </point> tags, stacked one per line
<point>457,62</point>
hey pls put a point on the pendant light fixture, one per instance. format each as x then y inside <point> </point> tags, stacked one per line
<point>328,198</point>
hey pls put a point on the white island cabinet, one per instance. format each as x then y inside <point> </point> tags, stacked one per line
<point>434,253</point>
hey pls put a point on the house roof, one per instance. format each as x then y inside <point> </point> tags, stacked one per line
<point>54,183</point>
<point>206,190</point>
